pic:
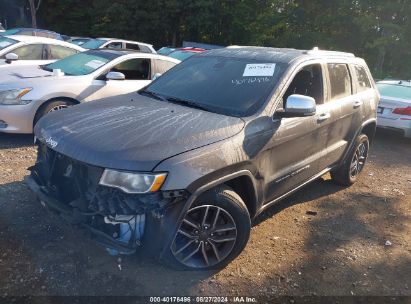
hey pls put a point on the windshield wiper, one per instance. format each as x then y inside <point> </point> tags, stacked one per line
<point>151,94</point>
<point>187,103</point>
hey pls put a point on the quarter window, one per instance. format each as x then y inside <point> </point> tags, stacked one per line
<point>340,80</point>
<point>134,69</point>
<point>30,52</point>
<point>363,81</point>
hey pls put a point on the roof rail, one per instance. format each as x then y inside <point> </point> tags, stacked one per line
<point>316,50</point>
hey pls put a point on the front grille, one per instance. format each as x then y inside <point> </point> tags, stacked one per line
<point>64,177</point>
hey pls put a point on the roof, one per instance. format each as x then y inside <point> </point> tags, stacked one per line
<point>118,53</point>
<point>34,39</point>
<point>280,55</point>
<point>123,40</point>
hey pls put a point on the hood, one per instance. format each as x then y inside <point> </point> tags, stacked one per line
<point>16,73</point>
<point>132,132</point>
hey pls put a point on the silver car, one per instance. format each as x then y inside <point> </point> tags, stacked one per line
<point>114,43</point>
<point>32,50</point>
<point>28,93</point>
<point>394,109</point>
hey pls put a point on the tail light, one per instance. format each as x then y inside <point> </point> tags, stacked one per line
<point>403,111</point>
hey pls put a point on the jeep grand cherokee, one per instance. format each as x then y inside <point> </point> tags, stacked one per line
<point>183,166</point>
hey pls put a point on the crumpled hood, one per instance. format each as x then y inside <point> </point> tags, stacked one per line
<point>12,74</point>
<point>132,132</point>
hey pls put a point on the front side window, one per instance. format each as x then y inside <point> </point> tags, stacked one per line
<point>340,80</point>
<point>309,82</point>
<point>134,69</point>
<point>81,63</point>
<point>59,52</point>
<point>363,81</point>
<point>114,45</point>
<point>230,86</point>
<point>30,52</point>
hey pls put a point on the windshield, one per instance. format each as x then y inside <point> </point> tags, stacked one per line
<point>6,42</point>
<point>230,86</point>
<point>181,55</point>
<point>394,90</point>
<point>81,63</point>
<point>10,32</point>
<point>93,44</point>
<point>165,50</point>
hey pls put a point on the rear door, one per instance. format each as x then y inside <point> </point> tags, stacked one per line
<point>345,108</point>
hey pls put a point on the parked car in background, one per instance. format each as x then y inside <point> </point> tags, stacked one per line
<point>32,50</point>
<point>79,40</point>
<point>181,168</point>
<point>185,53</point>
<point>394,110</point>
<point>165,50</point>
<point>32,32</point>
<point>112,43</point>
<point>28,93</point>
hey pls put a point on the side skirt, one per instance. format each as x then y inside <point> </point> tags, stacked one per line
<point>269,204</point>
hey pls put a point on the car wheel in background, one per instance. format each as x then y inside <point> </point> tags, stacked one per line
<point>51,106</point>
<point>347,174</point>
<point>214,231</point>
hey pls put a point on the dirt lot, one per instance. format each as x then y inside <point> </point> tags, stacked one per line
<point>358,243</point>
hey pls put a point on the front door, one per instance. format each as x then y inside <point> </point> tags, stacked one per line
<point>298,144</point>
<point>137,74</point>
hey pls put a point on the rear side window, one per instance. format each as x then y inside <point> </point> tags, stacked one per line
<point>340,80</point>
<point>134,69</point>
<point>30,52</point>
<point>163,66</point>
<point>132,46</point>
<point>59,52</point>
<point>363,81</point>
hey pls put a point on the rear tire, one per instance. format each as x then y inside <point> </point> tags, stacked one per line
<point>347,174</point>
<point>214,231</point>
<point>51,106</point>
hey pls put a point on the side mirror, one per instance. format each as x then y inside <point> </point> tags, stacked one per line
<point>115,76</point>
<point>298,106</point>
<point>10,57</point>
<point>156,75</point>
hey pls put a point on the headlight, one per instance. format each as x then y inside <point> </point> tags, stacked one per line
<point>132,182</point>
<point>13,97</point>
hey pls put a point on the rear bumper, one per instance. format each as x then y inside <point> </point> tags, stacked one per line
<point>402,126</point>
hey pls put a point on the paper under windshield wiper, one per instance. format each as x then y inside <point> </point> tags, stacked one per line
<point>187,103</point>
<point>152,94</point>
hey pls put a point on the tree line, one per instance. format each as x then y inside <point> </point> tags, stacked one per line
<point>377,30</point>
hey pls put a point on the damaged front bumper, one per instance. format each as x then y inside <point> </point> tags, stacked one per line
<point>118,221</point>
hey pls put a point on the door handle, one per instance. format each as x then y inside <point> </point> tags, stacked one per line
<point>323,117</point>
<point>357,104</point>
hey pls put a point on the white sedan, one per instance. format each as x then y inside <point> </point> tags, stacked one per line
<point>29,92</point>
<point>33,50</point>
<point>394,109</point>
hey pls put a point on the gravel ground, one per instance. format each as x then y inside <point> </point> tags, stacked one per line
<point>324,240</point>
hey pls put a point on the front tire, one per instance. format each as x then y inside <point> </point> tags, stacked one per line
<point>347,174</point>
<point>51,106</point>
<point>214,231</point>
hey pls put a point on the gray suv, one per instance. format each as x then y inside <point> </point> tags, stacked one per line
<point>182,167</point>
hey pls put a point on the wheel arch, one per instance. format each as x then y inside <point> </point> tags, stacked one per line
<point>65,98</point>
